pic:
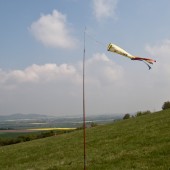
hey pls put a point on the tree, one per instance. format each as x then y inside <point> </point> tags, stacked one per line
<point>126,116</point>
<point>166,105</point>
<point>140,113</point>
<point>93,124</point>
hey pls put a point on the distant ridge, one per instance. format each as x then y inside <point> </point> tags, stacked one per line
<point>20,116</point>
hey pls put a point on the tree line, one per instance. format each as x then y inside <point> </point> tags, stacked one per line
<point>166,105</point>
<point>29,137</point>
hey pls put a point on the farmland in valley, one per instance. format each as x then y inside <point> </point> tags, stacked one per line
<point>17,125</point>
<point>21,121</point>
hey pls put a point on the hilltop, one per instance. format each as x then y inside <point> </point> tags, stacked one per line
<point>138,143</point>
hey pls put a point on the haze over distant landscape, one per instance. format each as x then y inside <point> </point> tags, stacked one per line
<point>42,48</point>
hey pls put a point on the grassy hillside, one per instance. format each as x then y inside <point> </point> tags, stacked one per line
<point>138,143</point>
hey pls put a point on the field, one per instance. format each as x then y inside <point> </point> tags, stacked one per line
<point>139,143</point>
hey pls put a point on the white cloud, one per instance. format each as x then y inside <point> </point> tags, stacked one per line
<point>161,52</point>
<point>97,67</point>
<point>53,30</point>
<point>104,70</point>
<point>109,87</point>
<point>104,8</point>
<point>52,88</point>
<point>38,74</point>
<point>161,70</point>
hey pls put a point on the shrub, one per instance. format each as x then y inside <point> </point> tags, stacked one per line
<point>126,116</point>
<point>166,105</point>
<point>143,113</point>
<point>24,138</point>
<point>4,142</point>
<point>93,124</point>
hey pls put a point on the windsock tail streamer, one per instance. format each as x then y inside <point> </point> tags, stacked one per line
<point>150,61</point>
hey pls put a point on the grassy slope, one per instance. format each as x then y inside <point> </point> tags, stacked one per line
<point>138,143</point>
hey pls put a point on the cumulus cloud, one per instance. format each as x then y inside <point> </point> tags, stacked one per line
<point>161,52</point>
<point>104,70</point>
<point>109,87</point>
<point>39,74</point>
<point>161,70</point>
<point>53,30</point>
<point>104,8</point>
<point>52,88</point>
<point>98,67</point>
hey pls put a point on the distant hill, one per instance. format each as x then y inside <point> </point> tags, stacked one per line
<point>138,143</point>
<point>20,116</point>
<point>27,121</point>
<point>64,118</point>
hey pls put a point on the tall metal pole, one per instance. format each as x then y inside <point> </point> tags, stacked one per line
<point>84,112</point>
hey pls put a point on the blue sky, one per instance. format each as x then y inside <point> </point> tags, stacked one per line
<point>42,48</point>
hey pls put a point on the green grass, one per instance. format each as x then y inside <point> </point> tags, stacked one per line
<point>141,143</point>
